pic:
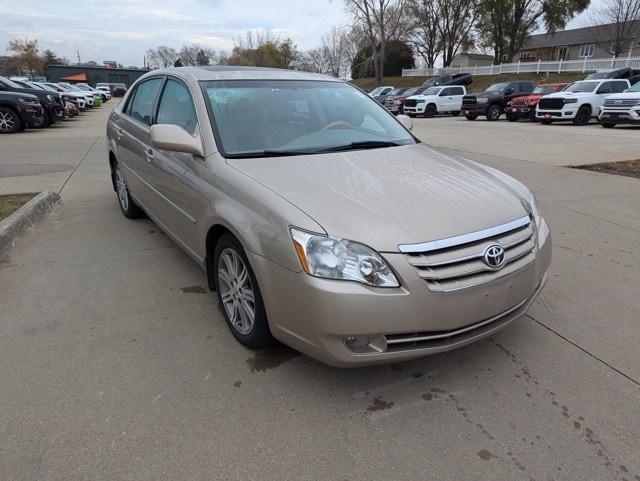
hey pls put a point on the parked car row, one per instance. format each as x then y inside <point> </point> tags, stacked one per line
<point>27,104</point>
<point>612,97</point>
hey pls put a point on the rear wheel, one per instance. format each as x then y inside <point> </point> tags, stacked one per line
<point>239,295</point>
<point>127,205</point>
<point>583,116</point>
<point>430,111</point>
<point>493,112</point>
<point>9,121</point>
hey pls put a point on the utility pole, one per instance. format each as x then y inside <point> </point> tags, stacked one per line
<point>78,54</point>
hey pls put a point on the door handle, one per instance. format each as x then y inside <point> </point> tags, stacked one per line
<point>118,131</point>
<point>148,154</point>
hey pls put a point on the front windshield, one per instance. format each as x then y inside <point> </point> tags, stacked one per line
<point>635,88</point>
<point>498,87</point>
<point>36,86</point>
<point>11,83</point>
<point>259,117</point>
<point>412,91</point>
<point>55,87</point>
<point>544,89</point>
<point>582,87</point>
<point>396,92</point>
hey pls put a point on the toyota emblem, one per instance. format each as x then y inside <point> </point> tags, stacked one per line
<point>494,256</point>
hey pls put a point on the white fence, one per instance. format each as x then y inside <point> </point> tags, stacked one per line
<point>559,66</point>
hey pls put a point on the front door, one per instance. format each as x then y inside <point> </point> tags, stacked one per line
<point>175,178</point>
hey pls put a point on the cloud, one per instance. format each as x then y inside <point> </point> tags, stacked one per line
<point>123,30</point>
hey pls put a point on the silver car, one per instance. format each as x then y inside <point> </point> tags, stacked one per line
<point>319,219</point>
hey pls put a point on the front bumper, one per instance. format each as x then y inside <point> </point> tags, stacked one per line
<point>31,115</point>
<point>394,109</point>
<point>566,113</point>
<point>477,109</point>
<point>417,110</point>
<point>317,316</point>
<point>522,112</point>
<point>631,116</point>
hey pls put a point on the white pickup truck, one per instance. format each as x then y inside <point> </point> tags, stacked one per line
<point>436,100</point>
<point>579,102</point>
<point>621,108</point>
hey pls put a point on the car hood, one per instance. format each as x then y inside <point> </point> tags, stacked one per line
<point>390,196</point>
<point>422,97</point>
<point>624,95</point>
<point>567,95</point>
<point>483,94</point>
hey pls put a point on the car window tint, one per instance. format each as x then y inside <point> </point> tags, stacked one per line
<point>619,87</point>
<point>141,105</point>
<point>605,88</point>
<point>176,107</point>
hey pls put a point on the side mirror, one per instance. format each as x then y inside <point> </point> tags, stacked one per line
<point>406,121</point>
<point>175,139</point>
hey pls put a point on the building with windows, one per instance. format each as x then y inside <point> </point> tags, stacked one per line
<point>95,74</point>
<point>579,43</point>
<point>471,60</point>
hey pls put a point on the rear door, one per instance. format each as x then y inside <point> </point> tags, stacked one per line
<point>131,129</point>
<point>604,90</point>
<point>454,98</point>
<point>175,178</point>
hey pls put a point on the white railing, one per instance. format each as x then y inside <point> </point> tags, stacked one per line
<point>559,66</point>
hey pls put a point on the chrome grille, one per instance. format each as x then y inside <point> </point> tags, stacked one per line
<point>453,264</point>
<point>621,103</point>
<point>520,103</point>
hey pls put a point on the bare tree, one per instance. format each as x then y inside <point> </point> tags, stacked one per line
<point>625,17</point>
<point>194,54</point>
<point>25,56</point>
<point>381,21</point>
<point>424,35</point>
<point>161,57</point>
<point>456,21</point>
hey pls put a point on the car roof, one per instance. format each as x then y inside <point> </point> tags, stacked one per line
<point>225,72</point>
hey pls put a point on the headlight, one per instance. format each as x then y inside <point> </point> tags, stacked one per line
<point>342,259</point>
<point>421,101</point>
<point>51,98</point>
<point>532,203</point>
<point>570,101</point>
<point>482,100</point>
<point>27,100</point>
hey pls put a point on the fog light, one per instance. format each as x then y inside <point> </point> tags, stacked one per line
<point>365,344</point>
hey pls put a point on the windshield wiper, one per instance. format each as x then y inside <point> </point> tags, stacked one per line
<point>366,144</point>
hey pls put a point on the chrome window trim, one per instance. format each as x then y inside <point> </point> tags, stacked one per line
<point>464,238</point>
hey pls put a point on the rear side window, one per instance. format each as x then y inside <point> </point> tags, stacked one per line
<point>456,91</point>
<point>141,106</point>
<point>176,107</point>
<point>619,87</point>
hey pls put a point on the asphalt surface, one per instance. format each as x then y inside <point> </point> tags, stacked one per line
<point>116,363</point>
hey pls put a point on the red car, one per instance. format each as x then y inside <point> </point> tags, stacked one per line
<point>71,108</point>
<point>394,103</point>
<point>525,107</point>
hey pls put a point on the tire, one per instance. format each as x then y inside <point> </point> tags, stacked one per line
<point>583,116</point>
<point>494,112</point>
<point>127,205</point>
<point>513,118</point>
<point>532,116</point>
<point>471,117</point>
<point>456,113</point>
<point>46,120</point>
<point>239,295</point>
<point>608,125</point>
<point>10,122</point>
<point>546,122</point>
<point>430,111</point>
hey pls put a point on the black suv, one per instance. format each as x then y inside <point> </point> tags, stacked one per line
<point>50,101</point>
<point>447,79</point>
<point>19,111</point>
<point>492,102</point>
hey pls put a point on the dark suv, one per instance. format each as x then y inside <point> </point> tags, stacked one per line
<point>50,101</point>
<point>492,102</point>
<point>19,111</point>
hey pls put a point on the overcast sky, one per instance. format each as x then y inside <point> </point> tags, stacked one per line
<point>122,30</point>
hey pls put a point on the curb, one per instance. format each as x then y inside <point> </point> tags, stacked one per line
<point>26,216</point>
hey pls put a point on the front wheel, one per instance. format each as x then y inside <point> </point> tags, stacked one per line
<point>513,117</point>
<point>430,111</point>
<point>471,116</point>
<point>456,113</point>
<point>494,112</point>
<point>239,295</point>
<point>583,116</point>
<point>9,121</point>
<point>608,125</point>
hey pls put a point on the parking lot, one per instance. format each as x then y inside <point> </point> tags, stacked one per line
<point>117,364</point>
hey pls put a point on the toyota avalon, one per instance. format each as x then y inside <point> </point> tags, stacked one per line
<point>319,219</point>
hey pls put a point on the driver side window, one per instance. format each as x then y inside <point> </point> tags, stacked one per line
<point>141,106</point>
<point>176,107</point>
<point>605,88</point>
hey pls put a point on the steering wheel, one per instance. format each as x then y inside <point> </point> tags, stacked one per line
<point>337,124</point>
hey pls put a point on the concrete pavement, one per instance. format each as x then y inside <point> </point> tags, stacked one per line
<point>117,365</point>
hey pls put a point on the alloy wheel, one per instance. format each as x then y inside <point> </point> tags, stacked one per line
<point>7,122</point>
<point>236,291</point>
<point>121,189</point>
